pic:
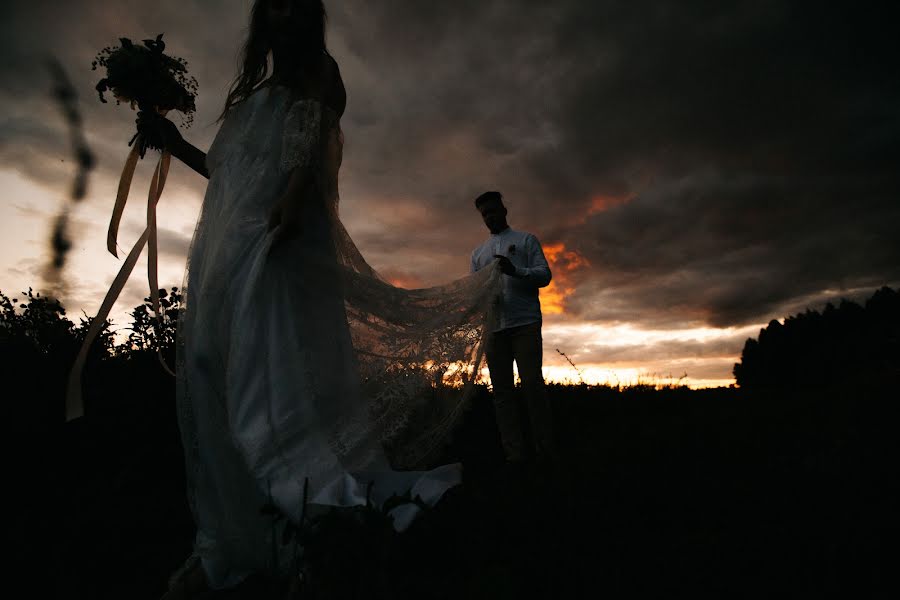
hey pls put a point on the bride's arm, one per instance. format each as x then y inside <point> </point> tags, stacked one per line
<point>286,211</point>
<point>191,156</point>
<point>303,142</point>
<point>159,132</point>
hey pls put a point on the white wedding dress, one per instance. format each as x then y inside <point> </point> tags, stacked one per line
<point>297,362</point>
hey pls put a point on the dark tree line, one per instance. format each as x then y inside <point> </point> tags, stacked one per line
<point>844,344</point>
<point>39,342</point>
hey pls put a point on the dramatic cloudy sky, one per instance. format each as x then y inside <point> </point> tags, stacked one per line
<point>694,169</point>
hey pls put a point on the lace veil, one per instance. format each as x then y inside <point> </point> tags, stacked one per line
<point>417,353</point>
<point>397,388</point>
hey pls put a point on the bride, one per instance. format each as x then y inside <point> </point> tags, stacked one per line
<point>298,365</point>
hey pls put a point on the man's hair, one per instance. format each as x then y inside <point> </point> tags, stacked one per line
<point>488,197</point>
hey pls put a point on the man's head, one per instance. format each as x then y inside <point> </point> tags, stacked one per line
<point>490,205</point>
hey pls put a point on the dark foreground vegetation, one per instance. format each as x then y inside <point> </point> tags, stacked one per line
<point>785,485</point>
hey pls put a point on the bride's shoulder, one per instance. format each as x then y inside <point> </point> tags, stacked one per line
<point>323,84</point>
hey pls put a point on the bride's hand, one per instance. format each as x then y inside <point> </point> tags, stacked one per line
<point>155,132</point>
<point>284,220</point>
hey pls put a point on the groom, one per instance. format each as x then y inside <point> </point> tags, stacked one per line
<point>518,333</point>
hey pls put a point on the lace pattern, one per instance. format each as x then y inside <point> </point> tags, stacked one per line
<point>304,125</point>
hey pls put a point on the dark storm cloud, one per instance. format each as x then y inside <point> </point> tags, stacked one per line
<point>730,250</point>
<point>760,143</point>
<point>756,142</point>
<point>455,98</point>
<point>785,87</point>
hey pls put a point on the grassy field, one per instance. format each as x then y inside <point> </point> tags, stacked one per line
<point>656,493</point>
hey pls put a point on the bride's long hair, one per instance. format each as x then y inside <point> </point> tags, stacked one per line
<point>310,46</point>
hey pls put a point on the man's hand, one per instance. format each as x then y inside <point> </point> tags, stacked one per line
<point>506,266</point>
<point>156,132</point>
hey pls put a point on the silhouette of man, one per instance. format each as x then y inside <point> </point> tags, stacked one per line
<point>518,333</point>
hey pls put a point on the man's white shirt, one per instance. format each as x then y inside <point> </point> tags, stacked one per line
<point>521,304</point>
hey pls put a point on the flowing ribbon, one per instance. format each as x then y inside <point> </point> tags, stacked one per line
<point>74,400</point>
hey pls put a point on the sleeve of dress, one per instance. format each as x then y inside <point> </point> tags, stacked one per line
<point>301,143</point>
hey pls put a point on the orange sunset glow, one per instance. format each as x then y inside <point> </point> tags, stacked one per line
<point>398,278</point>
<point>563,263</point>
<point>601,203</point>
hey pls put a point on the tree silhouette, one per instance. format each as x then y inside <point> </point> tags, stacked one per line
<point>844,344</point>
<point>38,345</point>
<point>146,333</point>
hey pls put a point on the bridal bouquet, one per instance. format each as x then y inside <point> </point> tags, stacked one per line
<point>146,77</point>
<point>143,76</point>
